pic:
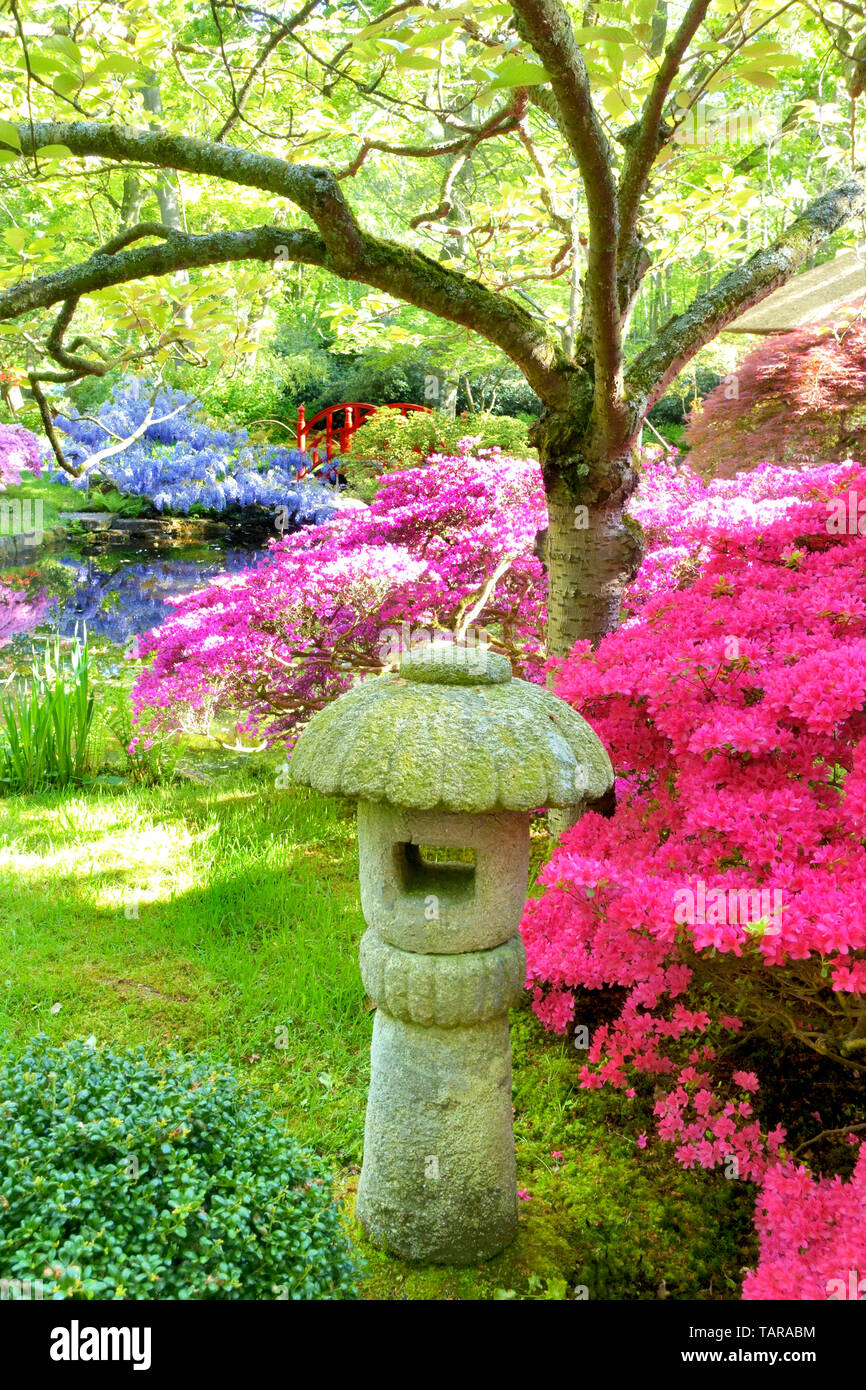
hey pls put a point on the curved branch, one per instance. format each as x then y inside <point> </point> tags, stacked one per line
<point>67,356</point>
<point>407,274</point>
<point>341,245</point>
<point>179,251</point>
<point>545,25</point>
<point>314,190</point>
<point>131,234</point>
<point>644,146</point>
<point>709,314</point>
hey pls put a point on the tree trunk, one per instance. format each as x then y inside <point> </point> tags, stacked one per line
<point>593,549</point>
<point>169,203</point>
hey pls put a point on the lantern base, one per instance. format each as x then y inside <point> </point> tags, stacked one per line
<point>438,1182</point>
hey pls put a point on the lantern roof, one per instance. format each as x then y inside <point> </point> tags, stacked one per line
<point>453,730</point>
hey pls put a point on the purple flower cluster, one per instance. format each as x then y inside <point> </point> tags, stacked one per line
<point>18,449</point>
<point>183,462</point>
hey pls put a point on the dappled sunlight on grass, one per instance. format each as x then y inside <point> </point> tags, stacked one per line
<point>226,916</point>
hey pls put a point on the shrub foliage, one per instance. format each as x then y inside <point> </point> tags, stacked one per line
<point>125,1179</point>
<point>798,397</point>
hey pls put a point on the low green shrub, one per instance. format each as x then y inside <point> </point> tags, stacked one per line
<point>691,385</point>
<point>125,1179</point>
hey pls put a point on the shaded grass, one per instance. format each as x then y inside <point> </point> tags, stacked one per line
<point>226,916</point>
<point>56,499</point>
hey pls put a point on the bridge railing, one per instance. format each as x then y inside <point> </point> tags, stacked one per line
<point>332,429</point>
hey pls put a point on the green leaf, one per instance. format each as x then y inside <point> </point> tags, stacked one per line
<point>16,237</point>
<point>116,63</point>
<point>432,35</point>
<point>65,83</point>
<point>66,46</point>
<point>614,104</point>
<point>761,49</point>
<point>9,134</point>
<point>519,72</point>
<point>44,64</point>
<point>416,61</point>
<point>371,30</point>
<point>596,33</point>
<point>614,55</point>
<point>759,77</point>
<point>8,156</point>
<point>54,152</point>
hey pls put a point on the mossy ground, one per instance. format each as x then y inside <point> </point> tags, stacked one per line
<point>224,914</point>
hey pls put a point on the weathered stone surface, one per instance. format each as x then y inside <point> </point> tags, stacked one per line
<point>442,908</point>
<point>154,532</point>
<point>439,1181</point>
<point>453,752</point>
<point>93,521</point>
<point>442,991</point>
<point>496,745</point>
<point>450,663</point>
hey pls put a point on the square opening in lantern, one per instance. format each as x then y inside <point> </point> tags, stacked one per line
<point>443,870</point>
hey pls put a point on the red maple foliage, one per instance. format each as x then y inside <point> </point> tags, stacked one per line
<point>797,397</point>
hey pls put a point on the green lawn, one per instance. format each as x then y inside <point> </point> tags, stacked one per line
<point>225,916</point>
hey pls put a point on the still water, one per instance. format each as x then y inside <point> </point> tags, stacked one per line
<point>117,594</point>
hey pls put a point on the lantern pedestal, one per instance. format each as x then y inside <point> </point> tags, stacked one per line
<point>439,1181</point>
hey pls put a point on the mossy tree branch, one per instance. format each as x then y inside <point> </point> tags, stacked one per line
<point>709,314</point>
<point>545,24</point>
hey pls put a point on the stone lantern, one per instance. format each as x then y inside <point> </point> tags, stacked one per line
<point>451,754</point>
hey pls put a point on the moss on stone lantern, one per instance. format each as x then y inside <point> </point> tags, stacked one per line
<point>447,760</point>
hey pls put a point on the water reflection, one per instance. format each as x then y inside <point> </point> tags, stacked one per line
<point>117,595</point>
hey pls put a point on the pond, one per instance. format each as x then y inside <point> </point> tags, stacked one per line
<point>116,594</point>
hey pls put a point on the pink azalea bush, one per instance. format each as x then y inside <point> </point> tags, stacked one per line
<point>19,611</point>
<point>812,1236</point>
<point>680,512</point>
<point>19,449</point>
<point>335,602</point>
<point>726,890</point>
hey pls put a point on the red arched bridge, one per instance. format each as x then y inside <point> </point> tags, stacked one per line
<point>330,431</point>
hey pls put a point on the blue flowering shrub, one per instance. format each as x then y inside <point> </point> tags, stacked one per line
<point>186,464</point>
<point>125,1179</point>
